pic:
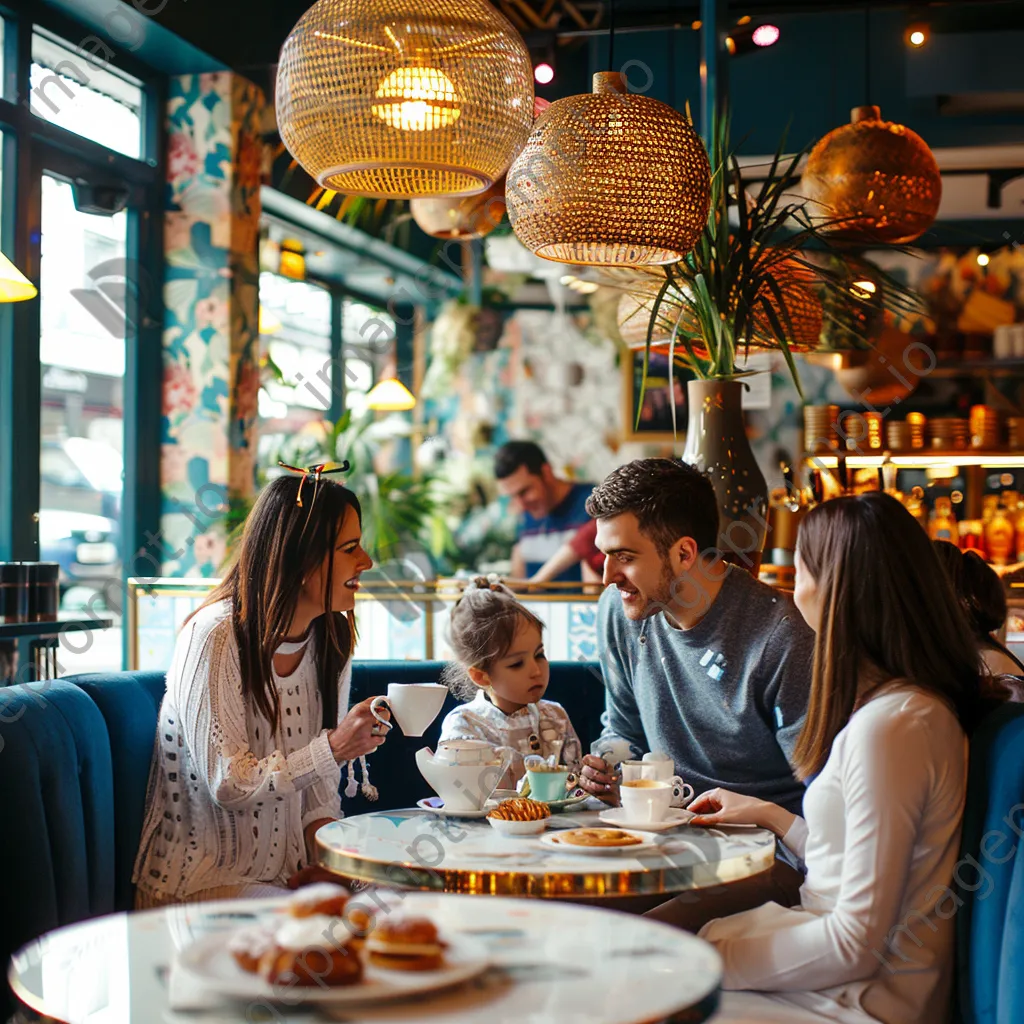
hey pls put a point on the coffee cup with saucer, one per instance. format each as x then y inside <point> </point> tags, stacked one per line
<point>658,768</point>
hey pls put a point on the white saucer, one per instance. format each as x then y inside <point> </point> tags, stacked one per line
<point>435,805</point>
<point>617,816</point>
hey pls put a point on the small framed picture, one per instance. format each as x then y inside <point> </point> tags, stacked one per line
<point>655,421</point>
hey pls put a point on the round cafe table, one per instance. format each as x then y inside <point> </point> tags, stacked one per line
<point>413,849</point>
<point>550,961</point>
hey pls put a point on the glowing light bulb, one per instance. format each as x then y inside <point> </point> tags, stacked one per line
<point>917,38</point>
<point>766,35</point>
<point>982,259</point>
<point>417,100</point>
<point>543,74</point>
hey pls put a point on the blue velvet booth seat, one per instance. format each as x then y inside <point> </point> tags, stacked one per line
<point>990,875</point>
<point>56,814</point>
<point>130,701</point>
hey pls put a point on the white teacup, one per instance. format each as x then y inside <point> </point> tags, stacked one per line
<point>658,771</point>
<point>646,800</point>
<point>414,705</point>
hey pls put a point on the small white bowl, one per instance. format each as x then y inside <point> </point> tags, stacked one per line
<point>518,828</point>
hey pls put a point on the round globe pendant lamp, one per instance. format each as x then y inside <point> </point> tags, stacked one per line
<point>403,98</point>
<point>873,181</point>
<point>610,178</point>
<point>468,217</point>
<point>800,311</point>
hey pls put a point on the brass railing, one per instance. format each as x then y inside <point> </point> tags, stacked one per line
<point>430,596</point>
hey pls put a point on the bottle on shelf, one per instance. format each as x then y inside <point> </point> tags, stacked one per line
<point>972,536</point>
<point>1000,537</point>
<point>914,502</point>
<point>942,523</point>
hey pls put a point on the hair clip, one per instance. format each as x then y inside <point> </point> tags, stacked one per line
<point>316,471</point>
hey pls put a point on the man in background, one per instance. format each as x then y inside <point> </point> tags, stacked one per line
<point>551,510</point>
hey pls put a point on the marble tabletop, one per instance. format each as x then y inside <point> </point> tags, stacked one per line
<point>413,849</point>
<point>551,961</point>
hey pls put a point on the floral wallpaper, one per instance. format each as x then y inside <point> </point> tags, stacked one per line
<point>211,298</point>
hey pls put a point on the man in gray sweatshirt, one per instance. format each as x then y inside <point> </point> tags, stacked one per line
<point>701,661</point>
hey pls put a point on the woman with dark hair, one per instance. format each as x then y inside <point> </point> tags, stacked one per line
<point>980,592</point>
<point>884,750</point>
<point>255,725</point>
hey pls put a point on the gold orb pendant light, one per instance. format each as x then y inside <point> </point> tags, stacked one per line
<point>610,178</point>
<point>872,181</point>
<point>467,217</point>
<point>403,98</point>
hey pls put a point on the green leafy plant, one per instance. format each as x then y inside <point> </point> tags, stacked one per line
<point>761,257</point>
<point>400,512</point>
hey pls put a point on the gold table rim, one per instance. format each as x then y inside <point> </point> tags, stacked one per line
<point>554,884</point>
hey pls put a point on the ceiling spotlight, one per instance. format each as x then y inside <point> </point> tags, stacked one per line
<point>983,259</point>
<point>543,74</point>
<point>917,34</point>
<point>766,35</point>
<point>745,39</point>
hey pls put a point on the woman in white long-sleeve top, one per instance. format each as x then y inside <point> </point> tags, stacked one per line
<point>255,723</point>
<point>885,753</point>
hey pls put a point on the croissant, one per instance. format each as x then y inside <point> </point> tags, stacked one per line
<point>520,809</point>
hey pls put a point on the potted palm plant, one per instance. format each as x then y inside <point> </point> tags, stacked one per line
<point>402,514</point>
<point>763,276</point>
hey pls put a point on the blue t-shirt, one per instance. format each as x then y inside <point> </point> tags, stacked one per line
<point>539,539</point>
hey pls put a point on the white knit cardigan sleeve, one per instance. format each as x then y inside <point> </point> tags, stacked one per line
<point>209,698</point>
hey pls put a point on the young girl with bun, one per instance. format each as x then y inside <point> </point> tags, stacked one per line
<point>502,672</point>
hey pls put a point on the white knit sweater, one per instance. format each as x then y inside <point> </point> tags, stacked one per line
<point>228,799</point>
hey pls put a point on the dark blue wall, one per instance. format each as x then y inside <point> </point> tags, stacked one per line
<point>811,78</point>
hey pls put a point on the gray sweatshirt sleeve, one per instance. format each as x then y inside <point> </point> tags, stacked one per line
<point>787,664</point>
<point>621,718</point>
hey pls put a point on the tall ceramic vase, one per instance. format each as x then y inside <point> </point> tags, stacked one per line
<point>716,443</point>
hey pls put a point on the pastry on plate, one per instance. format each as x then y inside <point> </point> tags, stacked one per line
<point>406,944</point>
<point>321,898</point>
<point>597,837</point>
<point>314,950</point>
<point>520,809</point>
<point>248,945</point>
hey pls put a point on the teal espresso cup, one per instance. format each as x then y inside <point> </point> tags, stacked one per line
<point>549,784</point>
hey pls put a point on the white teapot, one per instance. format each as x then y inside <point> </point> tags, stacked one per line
<point>463,773</point>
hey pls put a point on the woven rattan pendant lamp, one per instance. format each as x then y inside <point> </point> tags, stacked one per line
<point>403,98</point>
<point>467,217</point>
<point>610,178</point>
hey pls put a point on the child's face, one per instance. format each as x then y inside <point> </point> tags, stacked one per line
<point>521,676</point>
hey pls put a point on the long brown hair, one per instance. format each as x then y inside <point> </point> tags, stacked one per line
<point>888,612</point>
<point>280,546</point>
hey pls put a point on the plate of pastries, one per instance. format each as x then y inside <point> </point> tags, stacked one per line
<point>599,840</point>
<point>319,950</point>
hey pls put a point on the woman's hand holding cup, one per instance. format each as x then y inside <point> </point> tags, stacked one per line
<point>356,734</point>
<point>599,779</point>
